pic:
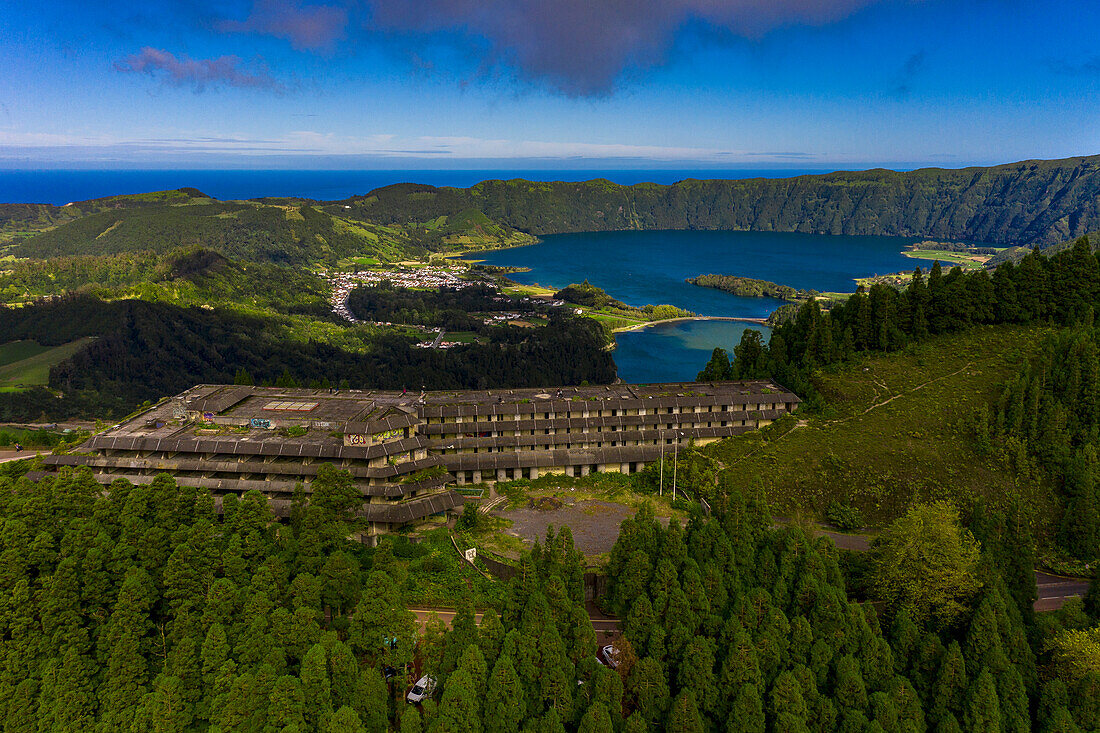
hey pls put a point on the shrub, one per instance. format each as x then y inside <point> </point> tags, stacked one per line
<point>843,517</point>
<point>434,563</point>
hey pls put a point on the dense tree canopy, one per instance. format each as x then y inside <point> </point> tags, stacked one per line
<point>145,351</point>
<point>733,624</point>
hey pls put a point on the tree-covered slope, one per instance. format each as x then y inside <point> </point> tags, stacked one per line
<point>1031,202</point>
<point>250,231</point>
<point>147,350</point>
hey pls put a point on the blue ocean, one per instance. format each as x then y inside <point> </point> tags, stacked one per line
<point>62,186</point>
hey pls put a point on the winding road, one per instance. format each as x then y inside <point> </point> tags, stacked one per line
<point>1054,590</point>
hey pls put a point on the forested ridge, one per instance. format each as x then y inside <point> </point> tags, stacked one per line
<point>145,351</point>
<point>295,234</point>
<point>285,231</point>
<point>1026,203</point>
<point>448,308</point>
<point>1032,203</point>
<point>732,624</point>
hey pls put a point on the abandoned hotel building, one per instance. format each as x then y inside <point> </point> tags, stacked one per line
<point>404,450</point>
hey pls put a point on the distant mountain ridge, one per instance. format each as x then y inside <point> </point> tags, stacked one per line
<point>1032,202</point>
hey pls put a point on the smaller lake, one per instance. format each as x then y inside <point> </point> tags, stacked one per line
<point>675,352</point>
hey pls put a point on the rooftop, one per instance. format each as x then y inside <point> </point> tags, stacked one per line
<point>251,410</point>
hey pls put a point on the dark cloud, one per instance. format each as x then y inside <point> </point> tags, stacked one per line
<point>581,47</point>
<point>908,73</point>
<point>196,73</point>
<point>309,27</point>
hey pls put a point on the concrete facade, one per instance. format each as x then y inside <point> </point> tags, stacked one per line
<point>404,450</point>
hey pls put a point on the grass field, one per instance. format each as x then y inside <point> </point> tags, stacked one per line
<point>364,261</point>
<point>27,364</point>
<point>898,431</point>
<point>14,351</point>
<point>462,337</point>
<point>950,259</point>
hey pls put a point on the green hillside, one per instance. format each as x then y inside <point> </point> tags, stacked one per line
<point>241,230</point>
<point>899,429</point>
<point>27,364</point>
<point>1031,202</point>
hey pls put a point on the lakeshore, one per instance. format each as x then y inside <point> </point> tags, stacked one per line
<point>666,321</point>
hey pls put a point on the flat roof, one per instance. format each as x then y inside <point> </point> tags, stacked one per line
<point>354,410</point>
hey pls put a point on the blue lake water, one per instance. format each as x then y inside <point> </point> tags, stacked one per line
<point>651,267</point>
<point>674,352</point>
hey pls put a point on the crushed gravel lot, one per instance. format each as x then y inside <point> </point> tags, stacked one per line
<point>595,524</point>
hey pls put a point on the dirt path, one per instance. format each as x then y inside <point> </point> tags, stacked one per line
<point>906,392</point>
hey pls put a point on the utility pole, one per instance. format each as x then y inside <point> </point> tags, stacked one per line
<point>661,440</point>
<point>675,462</point>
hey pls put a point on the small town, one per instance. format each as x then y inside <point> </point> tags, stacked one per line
<point>424,278</point>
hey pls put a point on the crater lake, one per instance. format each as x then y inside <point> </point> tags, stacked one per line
<point>645,267</point>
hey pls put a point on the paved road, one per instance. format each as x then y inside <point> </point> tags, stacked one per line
<point>603,625</point>
<point>10,455</point>
<point>1054,590</point>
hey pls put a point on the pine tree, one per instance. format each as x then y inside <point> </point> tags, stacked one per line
<point>983,713</point>
<point>459,709</point>
<point>164,710</point>
<point>949,691</point>
<point>1060,721</point>
<point>747,712</point>
<point>717,369</point>
<point>787,707</point>
<point>474,662</point>
<point>697,672</point>
<point>648,689</point>
<point>684,716</point>
<point>316,687</point>
<point>596,720</point>
<point>344,720</point>
<point>67,702</point>
<point>21,711</point>
<point>410,720</point>
<point>636,723</point>
<point>640,622</point>
<point>504,700</point>
<point>125,682</point>
<point>343,672</point>
<point>490,636</point>
<point>286,703</point>
<point>372,702</point>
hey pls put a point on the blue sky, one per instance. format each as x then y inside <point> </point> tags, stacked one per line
<point>807,84</point>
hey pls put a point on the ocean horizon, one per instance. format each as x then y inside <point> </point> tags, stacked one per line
<point>59,186</point>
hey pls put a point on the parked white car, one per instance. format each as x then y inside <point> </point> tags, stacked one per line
<point>610,656</point>
<point>422,690</point>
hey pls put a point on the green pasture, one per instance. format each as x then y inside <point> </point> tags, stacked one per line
<point>27,363</point>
